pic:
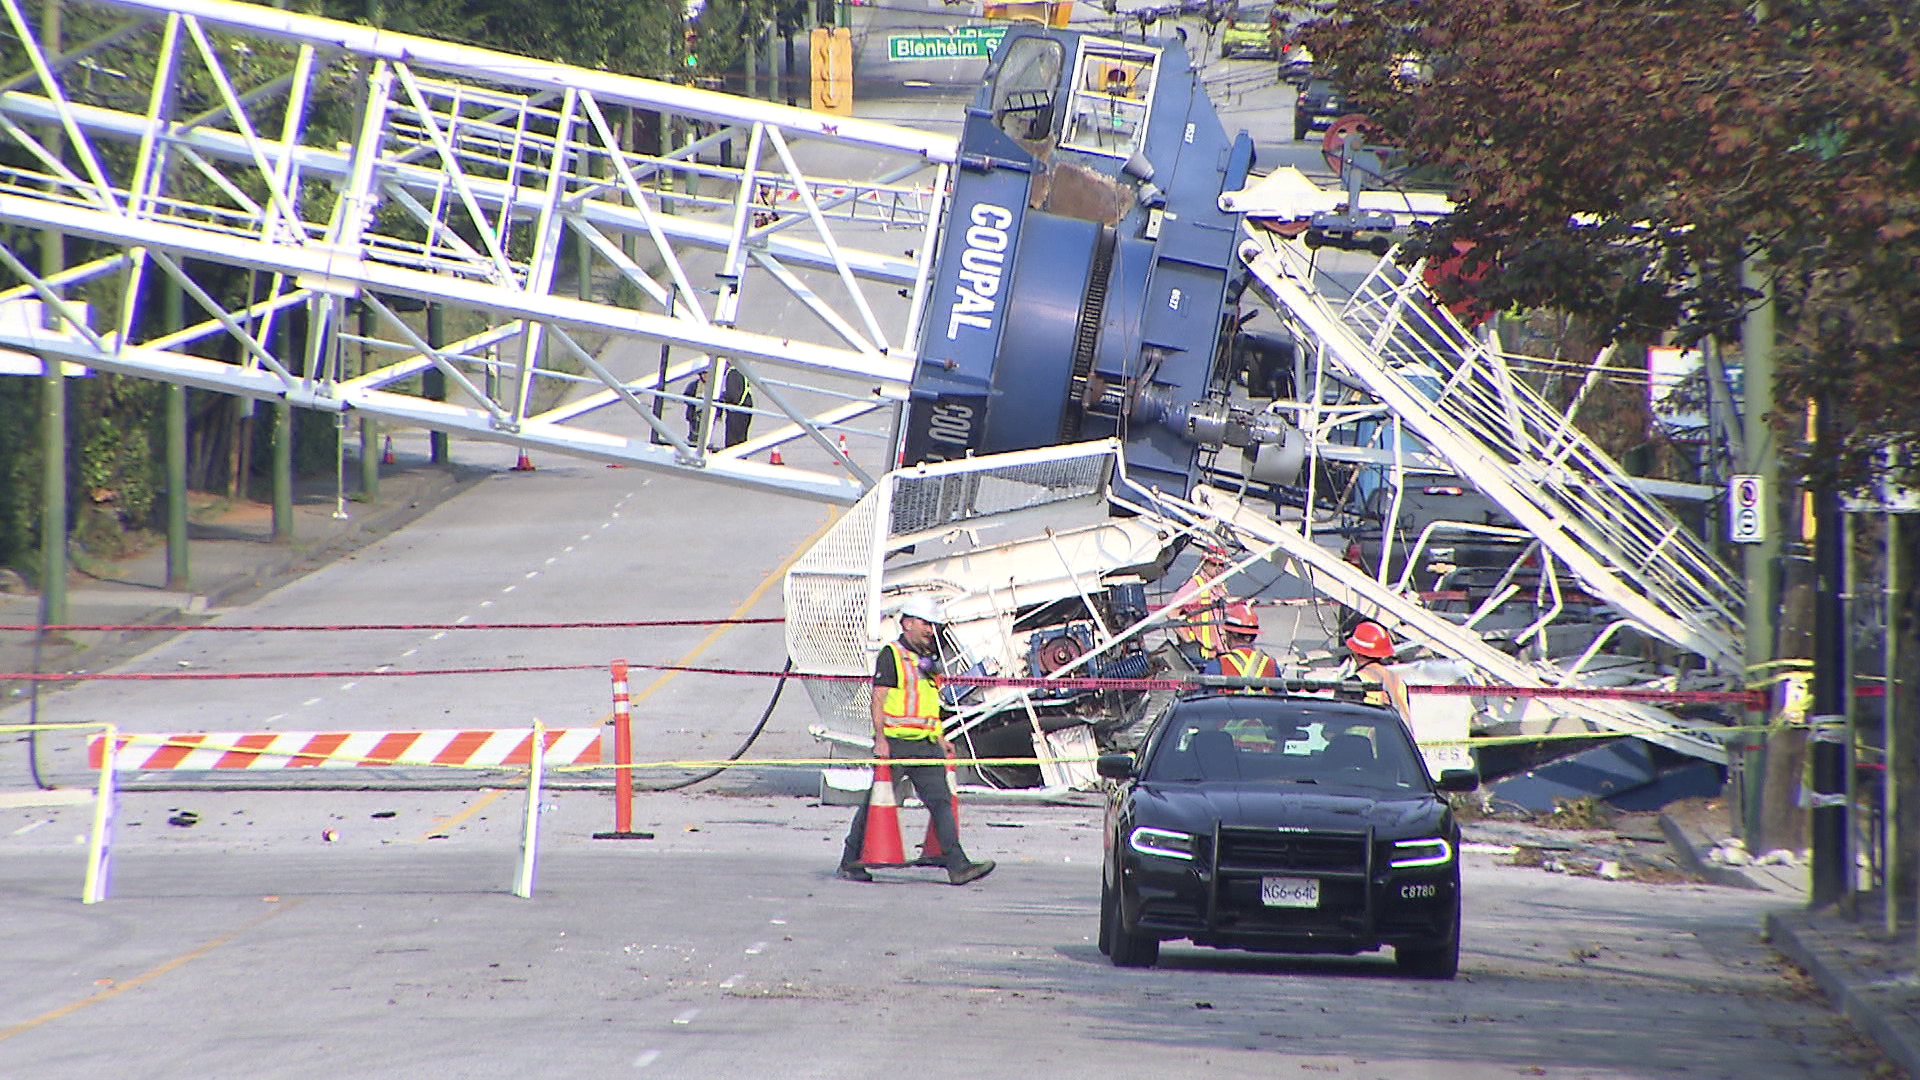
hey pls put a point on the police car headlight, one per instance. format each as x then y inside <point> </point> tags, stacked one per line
<point>1165,843</point>
<point>1432,851</point>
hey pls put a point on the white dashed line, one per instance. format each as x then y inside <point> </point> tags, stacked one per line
<point>461,619</point>
<point>408,653</point>
<point>312,701</point>
<point>486,603</point>
<point>606,524</point>
<point>778,922</point>
<point>509,588</point>
<point>349,685</point>
<point>756,948</point>
<point>569,547</point>
<point>553,560</point>
<point>384,667</point>
<point>730,981</point>
<point>438,636</point>
<point>686,1017</point>
<point>276,716</point>
<point>531,574</point>
<point>646,1058</point>
<point>586,536</point>
<point>31,825</point>
<point>615,513</point>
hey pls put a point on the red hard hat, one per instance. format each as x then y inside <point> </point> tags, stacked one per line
<point>1241,617</point>
<point>1370,639</point>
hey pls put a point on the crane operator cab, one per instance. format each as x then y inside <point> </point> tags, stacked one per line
<point>1086,271</point>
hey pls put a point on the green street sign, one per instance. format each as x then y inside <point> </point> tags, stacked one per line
<point>963,43</point>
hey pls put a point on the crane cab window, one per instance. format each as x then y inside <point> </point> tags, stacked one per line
<point>1112,89</point>
<point>1025,85</point>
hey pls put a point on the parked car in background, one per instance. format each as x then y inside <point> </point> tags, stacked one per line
<point>1252,33</point>
<point>1296,63</point>
<point>1318,105</point>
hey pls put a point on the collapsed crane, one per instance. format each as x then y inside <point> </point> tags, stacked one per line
<point>1042,319</point>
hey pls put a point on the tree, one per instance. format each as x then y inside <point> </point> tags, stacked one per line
<point>1619,159</point>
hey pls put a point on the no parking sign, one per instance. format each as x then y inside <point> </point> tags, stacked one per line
<point>1745,521</point>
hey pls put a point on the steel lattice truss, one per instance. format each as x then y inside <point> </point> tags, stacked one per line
<point>1485,423</point>
<point>309,185</point>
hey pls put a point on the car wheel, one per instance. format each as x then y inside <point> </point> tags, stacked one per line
<point>1105,941</point>
<point>1437,962</point>
<point>1127,949</point>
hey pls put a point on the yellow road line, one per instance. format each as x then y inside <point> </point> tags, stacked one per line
<point>447,825</point>
<point>64,1010</point>
<point>740,612</point>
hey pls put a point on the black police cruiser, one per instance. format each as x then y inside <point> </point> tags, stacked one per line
<point>1281,823</point>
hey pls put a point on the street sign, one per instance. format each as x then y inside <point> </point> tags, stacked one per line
<point>963,43</point>
<point>1746,520</point>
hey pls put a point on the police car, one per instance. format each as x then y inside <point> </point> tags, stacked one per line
<point>1281,823</point>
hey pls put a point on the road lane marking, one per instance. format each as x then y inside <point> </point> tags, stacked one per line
<point>756,948</point>
<point>312,701</point>
<point>509,588</point>
<point>31,825</point>
<point>408,653</point>
<point>137,980</point>
<point>348,686</point>
<point>276,716</point>
<point>646,1058</point>
<point>732,980</point>
<point>486,603</point>
<point>686,1018</point>
<point>445,825</point>
<point>531,574</point>
<point>740,612</point>
<point>553,560</point>
<point>461,619</point>
<point>438,636</point>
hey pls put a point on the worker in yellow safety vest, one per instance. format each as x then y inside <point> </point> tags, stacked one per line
<point>1200,633</point>
<point>1373,651</point>
<point>908,734</point>
<point>1242,626</point>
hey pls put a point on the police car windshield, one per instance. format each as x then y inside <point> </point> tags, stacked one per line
<point>1351,748</point>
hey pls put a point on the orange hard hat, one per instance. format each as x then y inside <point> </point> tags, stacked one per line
<point>1370,639</point>
<point>1241,618</point>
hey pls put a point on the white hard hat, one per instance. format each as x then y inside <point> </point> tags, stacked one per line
<point>923,607</point>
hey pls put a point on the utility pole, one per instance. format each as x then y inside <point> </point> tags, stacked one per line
<point>178,569</point>
<point>1832,867</point>
<point>53,402</point>
<point>434,381</point>
<point>1762,560</point>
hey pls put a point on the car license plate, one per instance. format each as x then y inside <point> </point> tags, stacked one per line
<point>1301,892</point>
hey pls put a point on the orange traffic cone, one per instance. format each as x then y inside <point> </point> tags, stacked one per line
<point>386,456</point>
<point>881,846</point>
<point>525,464</point>
<point>775,458</point>
<point>931,853</point>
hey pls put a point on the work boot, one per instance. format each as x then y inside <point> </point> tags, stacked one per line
<point>854,873</point>
<point>972,871</point>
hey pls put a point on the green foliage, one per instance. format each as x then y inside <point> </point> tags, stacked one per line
<point>20,466</point>
<point>1618,160</point>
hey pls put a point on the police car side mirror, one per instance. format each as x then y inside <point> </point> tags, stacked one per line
<point>1114,766</point>
<point>1458,780</point>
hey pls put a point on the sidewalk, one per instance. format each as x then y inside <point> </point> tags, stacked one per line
<point>232,557</point>
<point>1868,975</point>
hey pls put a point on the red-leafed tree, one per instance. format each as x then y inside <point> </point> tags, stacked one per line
<point>1617,160</point>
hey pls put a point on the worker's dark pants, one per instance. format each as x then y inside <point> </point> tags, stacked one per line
<point>929,778</point>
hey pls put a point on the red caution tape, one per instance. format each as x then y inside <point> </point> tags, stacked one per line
<point>216,628</point>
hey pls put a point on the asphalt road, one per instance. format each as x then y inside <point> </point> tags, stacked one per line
<point>247,946</point>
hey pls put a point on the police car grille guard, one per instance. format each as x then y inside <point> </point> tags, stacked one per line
<point>1241,855</point>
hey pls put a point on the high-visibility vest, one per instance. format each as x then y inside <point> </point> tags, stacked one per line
<point>1376,692</point>
<point>1201,607</point>
<point>1249,663</point>
<point>912,703</point>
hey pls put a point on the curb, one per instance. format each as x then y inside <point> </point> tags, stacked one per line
<point>1896,1032</point>
<point>1689,856</point>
